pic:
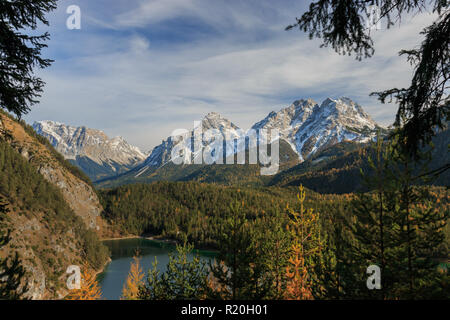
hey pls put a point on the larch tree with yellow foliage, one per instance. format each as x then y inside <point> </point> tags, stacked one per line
<point>306,250</point>
<point>89,287</point>
<point>134,281</point>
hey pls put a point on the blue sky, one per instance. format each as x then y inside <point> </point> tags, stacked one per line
<point>141,68</point>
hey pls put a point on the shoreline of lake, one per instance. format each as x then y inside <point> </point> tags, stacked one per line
<point>154,238</point>
<point>160,239</point>
<point>114,275</point>
<point>147,237</point>
<point>97,273</point>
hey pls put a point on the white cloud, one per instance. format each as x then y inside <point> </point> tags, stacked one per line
<point>218,13</point>
<point>154,11</point>
<point>142,91</point>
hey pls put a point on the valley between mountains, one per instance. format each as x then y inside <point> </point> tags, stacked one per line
<point>56,215</point>
<point>306,129</point>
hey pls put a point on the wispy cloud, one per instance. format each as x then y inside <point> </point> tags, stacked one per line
<point>139,73</point>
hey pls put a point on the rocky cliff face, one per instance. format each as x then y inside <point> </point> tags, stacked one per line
<point>80,196</point>
<point>92,150</point>
<point>47,239</point>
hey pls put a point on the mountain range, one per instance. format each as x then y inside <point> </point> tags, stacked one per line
<point>305,127</point>
<point>92,150</point>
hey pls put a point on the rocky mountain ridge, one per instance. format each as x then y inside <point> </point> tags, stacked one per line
<point>90,149</point>
<point>53,211</point>
<point>305,125</point>
<point>309,127</point>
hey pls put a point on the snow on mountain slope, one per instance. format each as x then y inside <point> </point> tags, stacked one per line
<point>90,147</point>
<point>309,127</point>
<point>305,125</point>
<point>162,153</point>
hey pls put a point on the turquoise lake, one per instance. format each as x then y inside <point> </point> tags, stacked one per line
<point>113,277</point>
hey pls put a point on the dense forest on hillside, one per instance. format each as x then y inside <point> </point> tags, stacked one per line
<point>195,211</point>
<point>182,210</point>
<point>28,193</point>
<point>39,219</point>
<point>200,213</point>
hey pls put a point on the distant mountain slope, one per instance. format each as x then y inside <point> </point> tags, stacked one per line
<point>53,211</point>
<point>236,175</point>
<point>90,149</point>
<point>336,169</point>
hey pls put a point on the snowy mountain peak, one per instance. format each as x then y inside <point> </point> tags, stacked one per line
<point>213,115</point>
<point>343,105</point>
<point>214,120</point>
<point>305,125</point>
<point>288,117</point>
<point>161,154</point>
<point>347,112</point>
<point>82,142</point>
<point>309,127</point>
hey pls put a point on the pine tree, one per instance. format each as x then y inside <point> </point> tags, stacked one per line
<point>273,250</point>
<point>396,227</point>
<point>89,289</point>
<point>184,279</point>
<point>134,280</point>
<point>11,271</point>
<point>238,272</point>
<point>418,224</point>
<point>371,227</point>
<point>153,288</point>
<point>20,53</point>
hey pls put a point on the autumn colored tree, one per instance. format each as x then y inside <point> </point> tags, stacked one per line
<point>134,280</point>
<point>214,288</point>
<point>306,249</point>
<point>89,289</point>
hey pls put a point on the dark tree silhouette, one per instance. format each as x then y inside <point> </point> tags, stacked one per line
<point>425,105</point>
<point>21,53</point>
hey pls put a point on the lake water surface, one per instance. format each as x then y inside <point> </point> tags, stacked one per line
<point>113,277</point>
